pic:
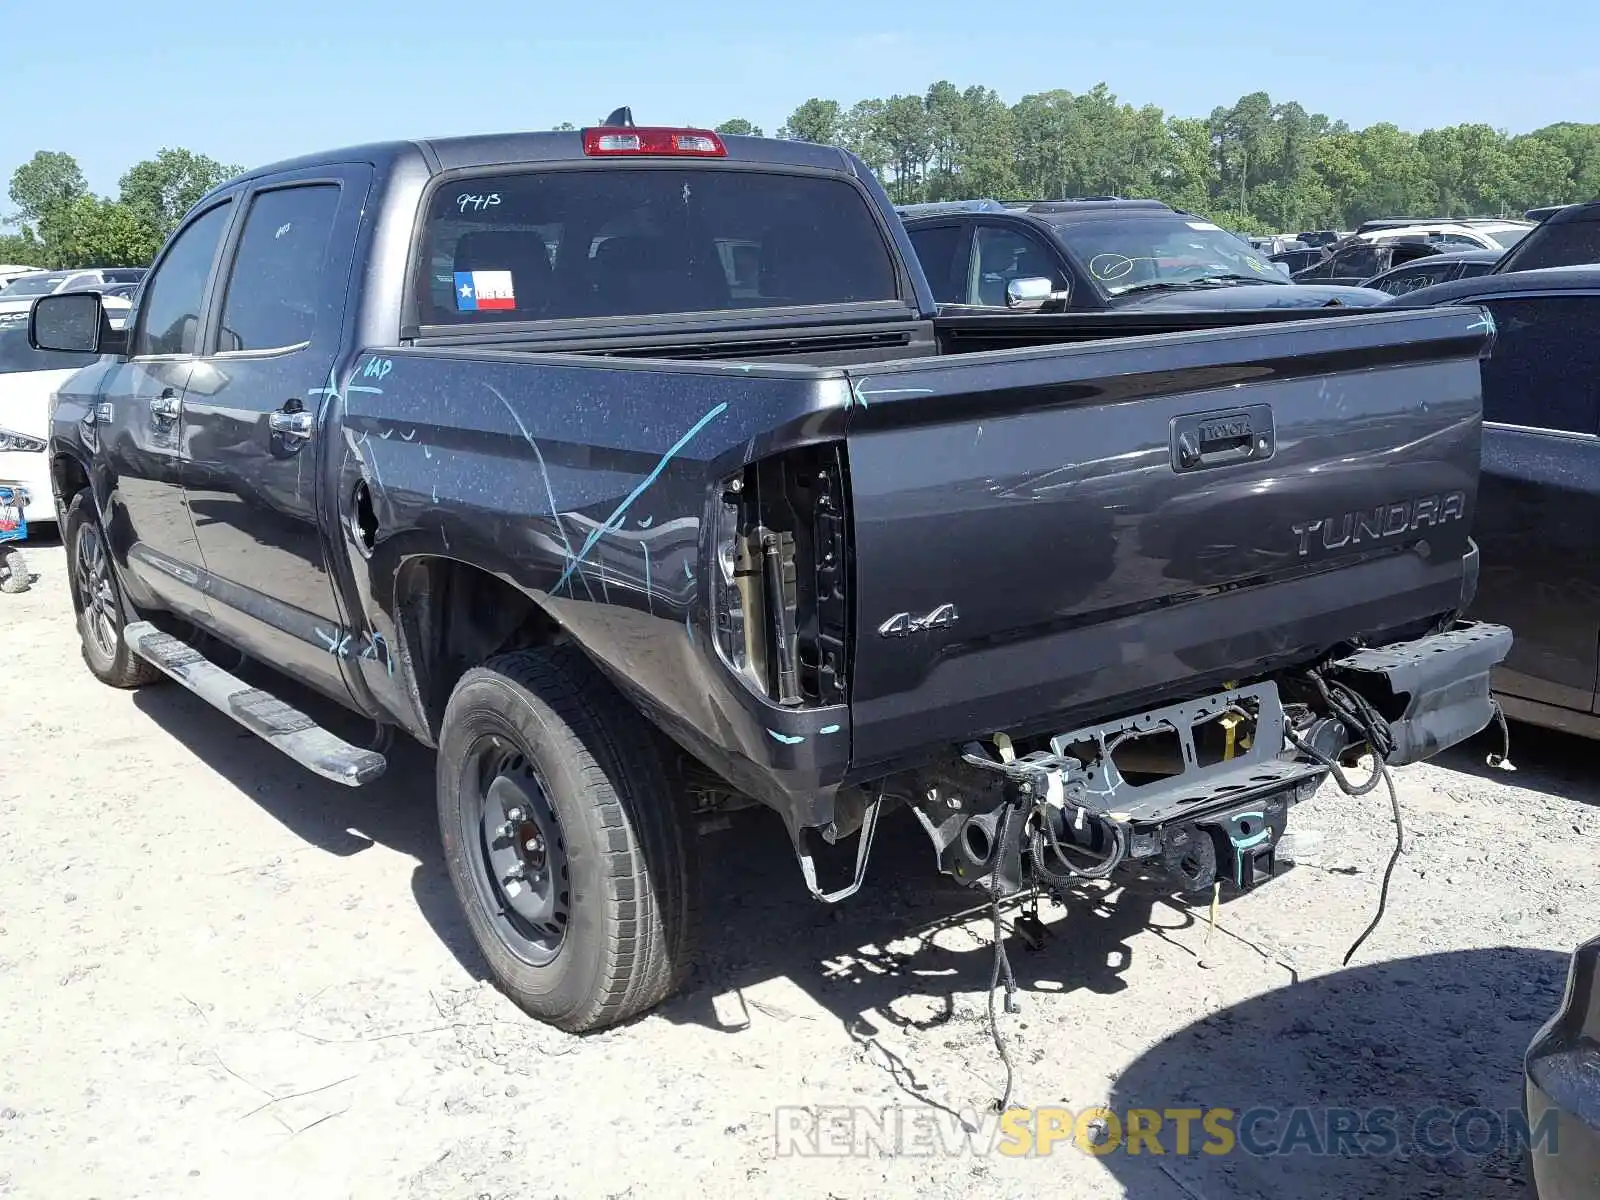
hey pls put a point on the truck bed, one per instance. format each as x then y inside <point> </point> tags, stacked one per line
<point>1030,534</point>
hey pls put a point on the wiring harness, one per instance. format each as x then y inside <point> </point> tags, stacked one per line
<point>1359,715</point>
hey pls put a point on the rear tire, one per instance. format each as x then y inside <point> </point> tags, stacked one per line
<point>570,852</point>
<point>98,600</point>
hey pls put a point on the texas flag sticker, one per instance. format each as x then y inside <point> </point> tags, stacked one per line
<point>484,289</point>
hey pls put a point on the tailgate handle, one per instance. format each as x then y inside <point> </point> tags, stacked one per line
<point>1219,439</point>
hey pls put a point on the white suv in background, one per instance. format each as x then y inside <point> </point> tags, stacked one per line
<point>1458,235</point>
<point>12,271</point>
<point>21,292</point>
<point>28,378</point>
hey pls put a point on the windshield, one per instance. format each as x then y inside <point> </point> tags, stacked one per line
<point>16,355</point>
<point>1168,251</point>
<point>1564,244</point>
<point>615,242</point>
<point>32,285</point>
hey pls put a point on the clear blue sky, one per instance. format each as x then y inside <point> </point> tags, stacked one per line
<point>256,80</point>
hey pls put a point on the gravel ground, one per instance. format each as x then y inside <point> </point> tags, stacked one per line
<point>222,976</point>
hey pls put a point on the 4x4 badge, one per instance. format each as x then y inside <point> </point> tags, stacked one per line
<point>904,624</point>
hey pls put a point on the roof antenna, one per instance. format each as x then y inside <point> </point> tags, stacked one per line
<point>622,118</point>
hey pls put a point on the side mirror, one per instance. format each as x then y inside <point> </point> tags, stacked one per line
<point>75,323</point>
<point>1032,292</point>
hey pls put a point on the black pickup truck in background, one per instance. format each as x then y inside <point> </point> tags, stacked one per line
<point>1538,520</point>
<point>626,464</point>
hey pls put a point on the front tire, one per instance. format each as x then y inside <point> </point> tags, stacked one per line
<point>569,850</point>
<point>96,596</point>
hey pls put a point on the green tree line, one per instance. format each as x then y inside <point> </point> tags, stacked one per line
<point>1257,166</point>
<point>59,222</point>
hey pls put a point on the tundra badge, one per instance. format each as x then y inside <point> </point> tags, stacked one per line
<point>904,624</point>
<point>1385,521</point>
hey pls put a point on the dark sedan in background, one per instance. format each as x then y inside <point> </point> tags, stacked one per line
<point>1434,268</point>
<point>1355,262</point>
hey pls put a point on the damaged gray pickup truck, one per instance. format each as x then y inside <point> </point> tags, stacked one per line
<point>634,469</point>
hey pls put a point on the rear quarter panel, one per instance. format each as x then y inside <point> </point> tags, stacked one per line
<point>585,483</point>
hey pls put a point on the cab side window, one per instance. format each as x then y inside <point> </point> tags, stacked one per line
<point>1322,270</point>
<point>1003,254</point>
<point>1544,371</point>
<point>941,251</point>
<point>1364,261</point>
<point>169,321</point>
<point>275,289</point>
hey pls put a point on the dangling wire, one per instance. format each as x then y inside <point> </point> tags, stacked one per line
<point>1002,962</point>
<point>1388,871</point>
<point>1501,761</point>
<point>1361,717</point>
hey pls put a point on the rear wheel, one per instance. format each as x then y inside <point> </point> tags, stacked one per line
<point>570,852</point>
<point>99,603</point>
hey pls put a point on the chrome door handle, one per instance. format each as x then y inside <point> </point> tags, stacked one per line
<point>166,408</point>
<point>291,424</point>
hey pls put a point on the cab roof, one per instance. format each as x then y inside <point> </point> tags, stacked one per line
<point>515,149</point>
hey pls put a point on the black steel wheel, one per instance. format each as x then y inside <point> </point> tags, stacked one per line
<point>519,857</point>
<point>570,850</point>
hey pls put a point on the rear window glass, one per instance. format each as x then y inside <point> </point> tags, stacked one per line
<point>619,242</point>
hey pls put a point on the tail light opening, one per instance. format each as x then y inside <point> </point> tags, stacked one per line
<point>780,584</point>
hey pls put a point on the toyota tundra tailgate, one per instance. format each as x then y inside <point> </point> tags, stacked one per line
<point>1091,528</point>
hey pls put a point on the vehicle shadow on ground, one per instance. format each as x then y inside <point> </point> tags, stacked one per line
<point>397,811</point>
<point>1547,761</point>
<point>761,923</point>
<point>896,954</point>
<point>1442,1032</point>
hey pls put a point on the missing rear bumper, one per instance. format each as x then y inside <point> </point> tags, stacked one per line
<point>1198,791</point>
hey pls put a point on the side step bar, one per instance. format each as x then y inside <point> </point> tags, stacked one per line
<point>262,713</point>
